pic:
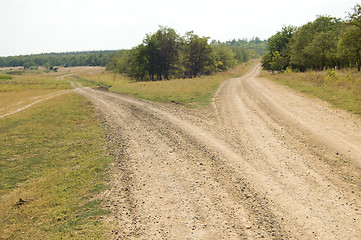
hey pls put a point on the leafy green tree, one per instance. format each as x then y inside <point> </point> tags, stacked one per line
<point>161,52</point>
<point>225,57</point>
<point>355,16</point>
<point>30,65</point>
<point>314,43</point>
<point>323,50</point>
<point>350,45</point>
<point>278,56</point>
<point>138,64</point>
<point>350,41</point>
<point>200,57</point>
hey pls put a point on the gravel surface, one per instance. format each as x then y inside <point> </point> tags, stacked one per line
<point>261,161</point>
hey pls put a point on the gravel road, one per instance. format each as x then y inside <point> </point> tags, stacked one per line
<point>261,161</point>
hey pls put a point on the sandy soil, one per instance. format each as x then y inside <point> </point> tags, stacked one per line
<point>261,161</point>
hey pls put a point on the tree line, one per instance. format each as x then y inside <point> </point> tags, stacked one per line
<point>49,60</point>
<point>165,54</point>
<point>327,42</point>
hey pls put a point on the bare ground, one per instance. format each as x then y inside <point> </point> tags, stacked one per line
<point>260,162</point>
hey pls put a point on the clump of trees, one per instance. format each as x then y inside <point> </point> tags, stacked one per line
<point>165,54</point>
<point>327,42</point>
<point>49,60</point>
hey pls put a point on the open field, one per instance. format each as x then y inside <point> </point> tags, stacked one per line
<point>342,88</point>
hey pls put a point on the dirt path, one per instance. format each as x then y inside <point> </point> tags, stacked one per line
<point>261,162</point>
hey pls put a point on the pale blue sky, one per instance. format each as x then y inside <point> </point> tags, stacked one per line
<point>40,26</point>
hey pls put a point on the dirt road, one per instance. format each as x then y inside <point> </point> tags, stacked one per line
<point>260,162</point>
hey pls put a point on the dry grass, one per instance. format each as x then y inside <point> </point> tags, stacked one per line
<point>10,101</point>
<point>342,88</point>
<point>193,92</point>
<point>31,79</point>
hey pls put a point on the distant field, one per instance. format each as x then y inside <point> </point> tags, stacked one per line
<point>342,88</point>
<point>192,92</point>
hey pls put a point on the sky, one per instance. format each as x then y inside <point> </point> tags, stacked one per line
<point>43,26</point>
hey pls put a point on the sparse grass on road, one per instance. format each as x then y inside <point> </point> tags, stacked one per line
<point>342,88</point>
<point>52,162</point>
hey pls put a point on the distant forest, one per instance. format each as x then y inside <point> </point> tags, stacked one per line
<point>327,42</point>
<point>49,60</point>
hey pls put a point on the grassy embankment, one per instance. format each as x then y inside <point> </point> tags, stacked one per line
<point>192,92</point>
<point>342,88</point>
<point>52,162</point>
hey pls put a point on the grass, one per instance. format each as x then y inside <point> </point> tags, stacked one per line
<point>52,162</point>
<point>342,88</point>
<point>7,99</point>
<point>192,92</point>
<point>30,81</point>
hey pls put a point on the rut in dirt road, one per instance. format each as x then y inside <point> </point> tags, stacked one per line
<point>261,162</point>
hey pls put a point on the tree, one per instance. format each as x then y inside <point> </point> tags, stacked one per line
<point>225,57</point>
<point>278,56</point>
<point>161,52</point>
<point>355,16</point>
<point>30,65</point>
<point>314,43</point>
<point>199,55</point>
<point>350,42</point>
<point>350,45</point>
<point>322,50</point>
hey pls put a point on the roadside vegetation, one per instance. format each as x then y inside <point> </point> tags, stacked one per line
<point>321,58</point>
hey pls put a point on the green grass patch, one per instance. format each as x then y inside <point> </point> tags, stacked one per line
<point>52,157</point>
<point>192,92</point>
<point>342,88</point>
